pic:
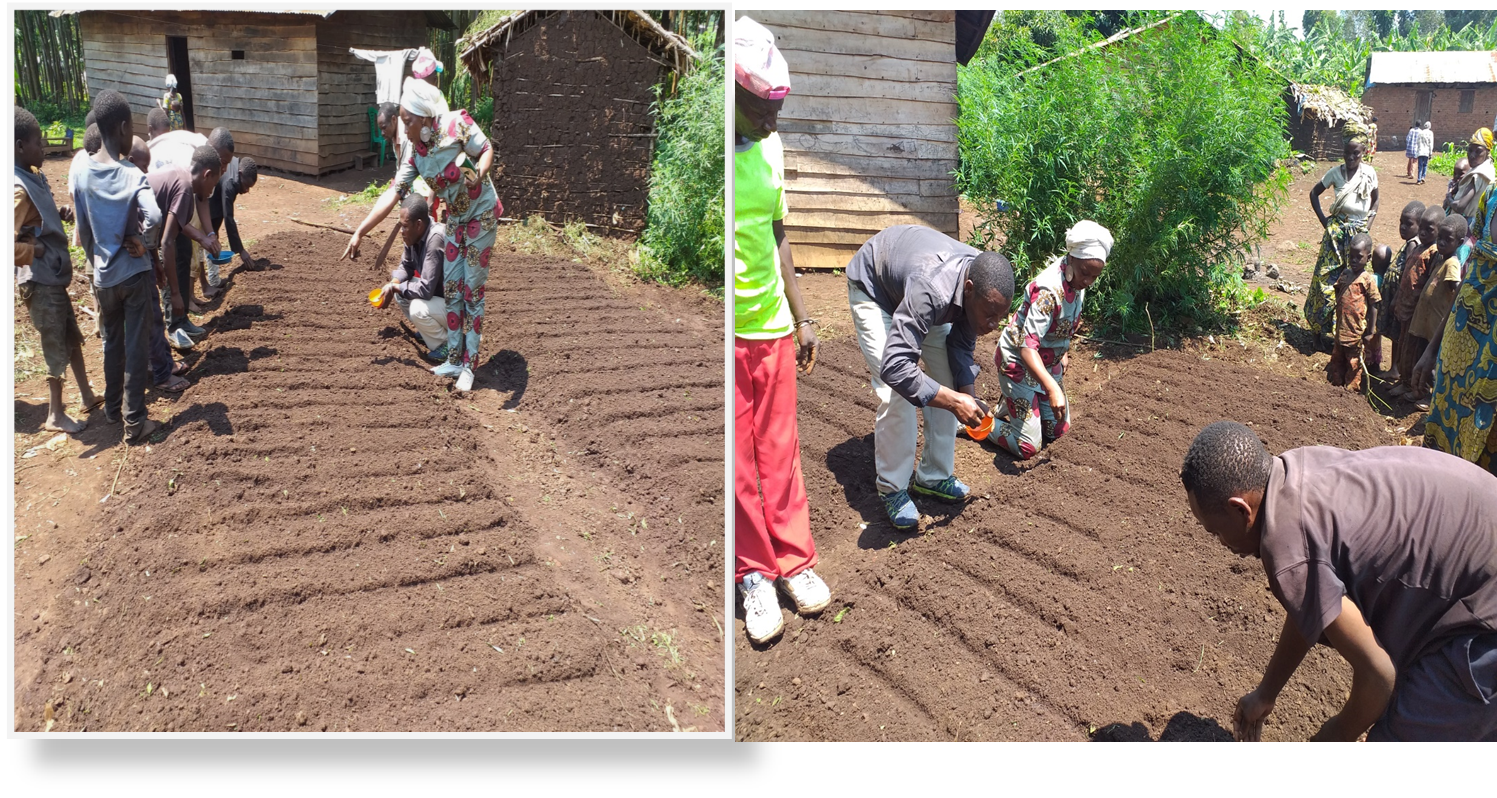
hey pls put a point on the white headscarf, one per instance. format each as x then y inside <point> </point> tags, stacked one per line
<point>422,99</point>
<point>171,81</point>
<point>1087,239</point>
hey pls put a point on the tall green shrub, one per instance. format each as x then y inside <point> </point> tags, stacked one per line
<point>1169,139</point>
<point>683,239</point>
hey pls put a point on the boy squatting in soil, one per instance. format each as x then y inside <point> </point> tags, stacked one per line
<point>44,269</point>
<point>1388,554</point>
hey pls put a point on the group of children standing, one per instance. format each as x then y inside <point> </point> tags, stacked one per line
<point>1404,298</point>
<point>139,209</point>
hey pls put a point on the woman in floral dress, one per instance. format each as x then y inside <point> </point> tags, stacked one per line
<point>171,102</point>
<point>450,153</point>
<point>1033,351</point>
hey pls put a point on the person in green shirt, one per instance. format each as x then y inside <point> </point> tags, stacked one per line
<point>772,338</point>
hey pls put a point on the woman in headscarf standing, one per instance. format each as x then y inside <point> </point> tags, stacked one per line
<point>171,102</point>
<point>1350,213</point>
<point>1033,351</point>
<point>449,151</point>
<point>1472,186</point>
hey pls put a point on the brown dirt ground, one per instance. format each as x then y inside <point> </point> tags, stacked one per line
<point>325,537</point>
<point>1075,597</point>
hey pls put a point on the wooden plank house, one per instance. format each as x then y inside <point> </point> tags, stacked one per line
<point>284,83</point>
<point>572,95</point>
<point>869,126</point>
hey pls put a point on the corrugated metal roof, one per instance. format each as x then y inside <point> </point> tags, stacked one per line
<point>434,19</point>
<point>67,12</point>
<point>1432,67</point>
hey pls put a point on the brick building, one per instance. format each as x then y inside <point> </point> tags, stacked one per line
<point>1455,91</point>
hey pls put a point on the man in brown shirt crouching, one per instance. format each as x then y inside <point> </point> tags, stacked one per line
<point>1387,554</point>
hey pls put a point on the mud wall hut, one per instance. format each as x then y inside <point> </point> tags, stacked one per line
<point>1320,117</point>
<point>869,127</point>
<point>1456,92</point>
<point>283,83</point>
<point>572,93</point>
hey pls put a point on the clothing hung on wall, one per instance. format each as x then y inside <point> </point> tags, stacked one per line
<point>389,70</point>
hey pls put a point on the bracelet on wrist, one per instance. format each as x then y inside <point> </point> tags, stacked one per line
<point>805,321</point>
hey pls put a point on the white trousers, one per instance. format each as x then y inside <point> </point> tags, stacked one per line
<point>896,426</point>
<point>428,316</point>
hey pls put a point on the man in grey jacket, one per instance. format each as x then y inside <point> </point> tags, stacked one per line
<point>916,292</point>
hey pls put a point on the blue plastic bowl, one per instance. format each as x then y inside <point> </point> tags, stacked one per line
<point>222,257</point>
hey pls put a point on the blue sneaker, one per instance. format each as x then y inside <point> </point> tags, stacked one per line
<point>438,355</point>
<point>901,509</point>
<point>949,489</point>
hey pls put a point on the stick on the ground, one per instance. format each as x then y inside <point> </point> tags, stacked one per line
<point>116,482</point>
<point>380,261</point>
<point>334,228</point>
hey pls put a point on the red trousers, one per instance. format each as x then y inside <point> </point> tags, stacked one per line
<point>772,520</point>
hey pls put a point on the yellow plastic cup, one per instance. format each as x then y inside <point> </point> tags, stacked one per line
<point>375,300</point>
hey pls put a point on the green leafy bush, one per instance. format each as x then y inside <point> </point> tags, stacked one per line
<point>1170,139</point>
<point>1444,162</point>
<point>683,239</point>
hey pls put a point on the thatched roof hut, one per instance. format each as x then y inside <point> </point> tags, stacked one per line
<point>572,94</point>
<point>1321,117</point>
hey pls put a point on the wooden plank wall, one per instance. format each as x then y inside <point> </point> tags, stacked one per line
<point>869,126</point>
<point>346,84</point>
<point>268,100</point>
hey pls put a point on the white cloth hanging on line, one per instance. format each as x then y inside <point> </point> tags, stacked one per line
<point>389,70</point>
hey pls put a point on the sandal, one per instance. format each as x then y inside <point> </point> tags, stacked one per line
<point>179,368</point>
<point>174,385</point>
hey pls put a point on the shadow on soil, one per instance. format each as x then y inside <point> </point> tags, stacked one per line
<point>508,372</point>
<point>1183,727</point>
<point>215,415</point>
<point>223,360</point>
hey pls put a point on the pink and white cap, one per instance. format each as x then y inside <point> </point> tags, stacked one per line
<point>426,63</point>
<point>757,63</point>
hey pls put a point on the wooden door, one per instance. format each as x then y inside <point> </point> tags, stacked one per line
<point>1423,101</point>
<point>176,61</point>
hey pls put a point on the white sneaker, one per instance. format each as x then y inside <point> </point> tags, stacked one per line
<point>180,340</point>
<point>761,608</point>
<point>465,381</point>
<point>807,592</point>
<point>448,370</point>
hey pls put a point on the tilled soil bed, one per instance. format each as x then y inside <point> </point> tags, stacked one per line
<point>1073,598</point>
<point>325,537</point>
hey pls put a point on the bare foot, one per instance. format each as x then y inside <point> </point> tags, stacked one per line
<point>194,308</point>
<point>61,423</point>
<point>92,403</point>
